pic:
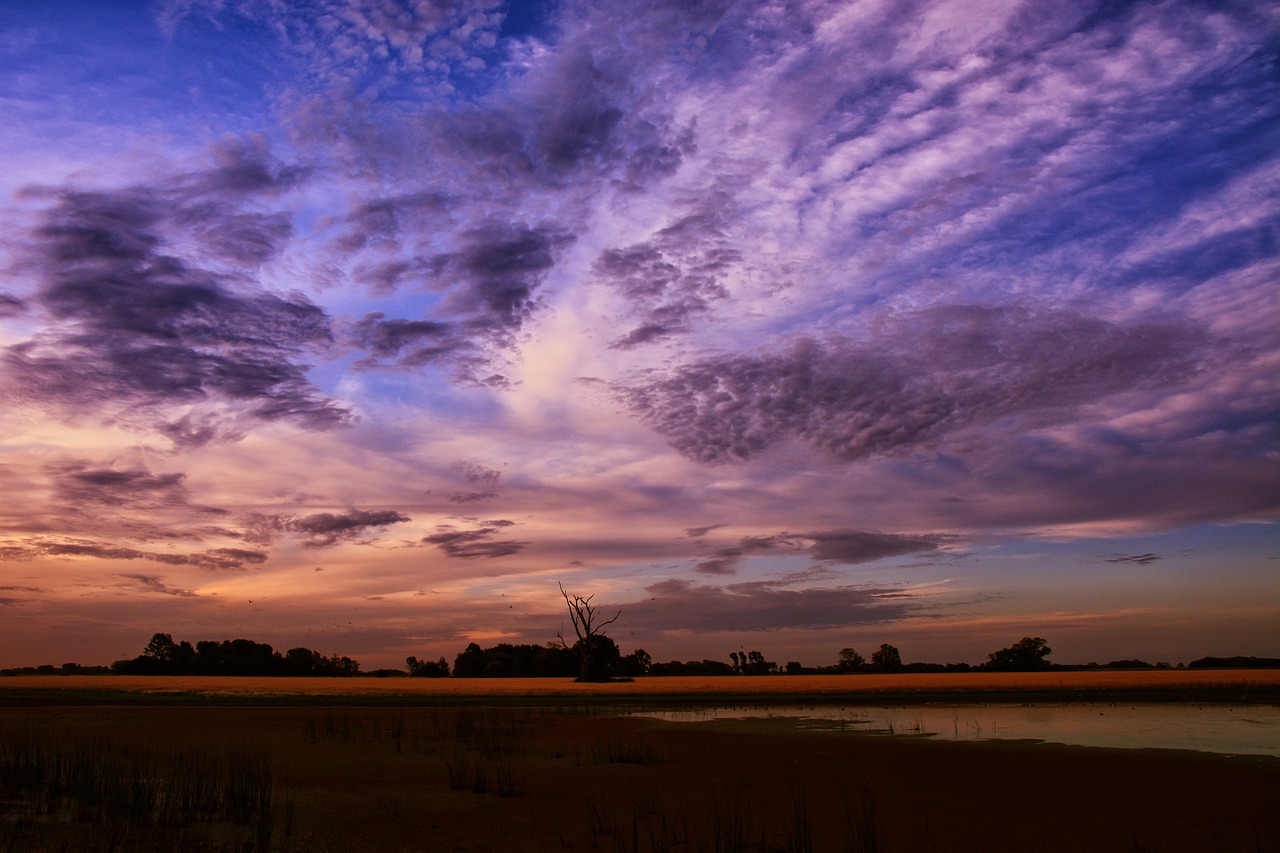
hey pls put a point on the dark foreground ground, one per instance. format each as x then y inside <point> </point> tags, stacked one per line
<point>474,778</point>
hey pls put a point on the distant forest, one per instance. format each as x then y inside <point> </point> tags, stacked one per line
<point>164,656</point>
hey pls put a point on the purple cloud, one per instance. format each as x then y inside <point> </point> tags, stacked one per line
<point>1136,559</point>
<point>136,326</point>
<point>672,278</point>
<point>762,606</point>
<point>482,480</point>
<point>477,542</point>
<point>155,583</point>
<point>860,546</point>
<point>321,530</point>
<point>927,375</point>
<point>214,559</point>
<point>725,560</point>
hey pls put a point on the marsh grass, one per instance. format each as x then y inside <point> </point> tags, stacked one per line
<point>736,819</point>
<point>644,823</point>
<point>799,830</point>
<point>864,829</point>
<point>619,750</point>
<point>482,751</point>
<point>59,791</point>
<point>478,747</point>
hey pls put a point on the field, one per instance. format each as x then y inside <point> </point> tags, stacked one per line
<point>452,765</point>
<point>1154,684</point>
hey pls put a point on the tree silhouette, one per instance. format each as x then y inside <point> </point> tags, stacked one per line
<point>751,663</point>
<point>470,662</point>
<point>426,668</point>
<point>887,658</point>
<point>590,645</point>
<point>637,663</point>
<point>1026,655</point>
<point>163,656</point>
<point>161,647</point>
<point>850,660</point>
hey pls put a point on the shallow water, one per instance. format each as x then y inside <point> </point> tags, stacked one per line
<point>1228,729</point>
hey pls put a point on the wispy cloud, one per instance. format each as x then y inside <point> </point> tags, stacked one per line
<point>858,546</point>
<point>213,559</point>
<point>137,329</point>
<point>921,377</point>
<point>762,606</point>
<point>155,583</point>
<point>323,529</point>
<point>477,542</point>
<point>1136,559</point>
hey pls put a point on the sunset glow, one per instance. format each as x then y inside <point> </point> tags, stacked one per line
<point>361,324</point>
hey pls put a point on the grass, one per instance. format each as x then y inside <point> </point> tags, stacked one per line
<point>478,747</point>
<point>741,819</point>
<point>64,791</point>
<point>617,750</point>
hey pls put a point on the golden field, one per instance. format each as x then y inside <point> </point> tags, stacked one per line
<point>835,687</point>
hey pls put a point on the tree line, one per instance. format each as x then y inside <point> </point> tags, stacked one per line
<point>558,659</point>
<point>163,656</point>
<point>506,660</point>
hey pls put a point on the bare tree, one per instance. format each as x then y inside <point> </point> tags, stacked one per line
<point>587,626</point>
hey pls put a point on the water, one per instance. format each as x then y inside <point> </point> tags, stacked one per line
<point>1227,729</point>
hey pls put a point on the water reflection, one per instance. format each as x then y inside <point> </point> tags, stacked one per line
<point>1229,729</point>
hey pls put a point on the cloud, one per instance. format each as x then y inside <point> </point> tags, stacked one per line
<point>321,530</point>
<point>11,306</point>
<point>860,546</point>
<point>547,134</point>
<point>324,529</point>
<point>1136,559</point>
<point>493,276</point>
<point>676,604</point>
<point>155,583</point>
<point>364,48</point>
<point>118,501</point>
<point>672,278</point>
<point>489,283</point>
<point>725,560</point>
<point>482,479</point>
<point>134,327</point>
<point>837,546</point>
<point>79,484</point>
<point>923,376</point>
<point>475,543</point>
<point>387,221</point>
<point>213,559</point>
<point>410,343</point>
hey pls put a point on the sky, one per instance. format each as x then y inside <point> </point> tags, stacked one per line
<point>365,325</point>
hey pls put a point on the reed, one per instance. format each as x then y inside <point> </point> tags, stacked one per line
<point>61,791</point>
<point>623,751</point>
